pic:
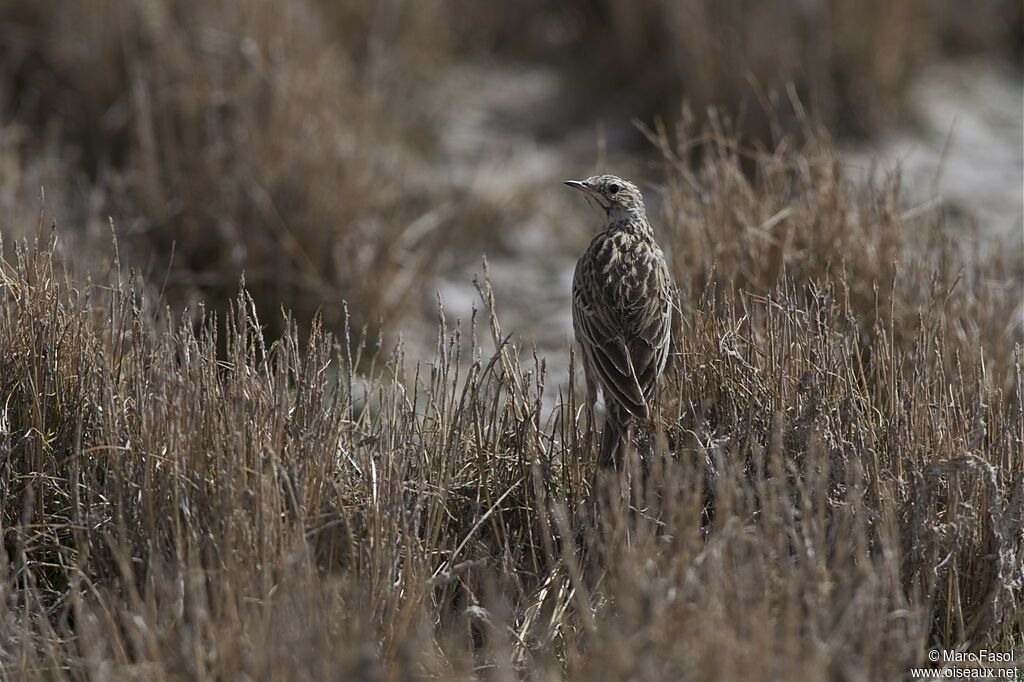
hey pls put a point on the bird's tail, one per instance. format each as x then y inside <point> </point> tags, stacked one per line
<point>614,437</point>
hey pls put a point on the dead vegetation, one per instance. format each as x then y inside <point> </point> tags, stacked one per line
<point>197,485</point>
<point>838,483</point>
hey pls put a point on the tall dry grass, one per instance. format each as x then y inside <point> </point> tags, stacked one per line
<point>837,485</point>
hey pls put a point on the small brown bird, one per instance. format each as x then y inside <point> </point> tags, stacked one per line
<point>621,311</point>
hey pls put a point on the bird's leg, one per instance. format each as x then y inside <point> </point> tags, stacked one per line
<point>614,434</point>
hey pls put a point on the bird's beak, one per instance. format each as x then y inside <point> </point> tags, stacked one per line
<point>581,186</point>
<point>593,196</point>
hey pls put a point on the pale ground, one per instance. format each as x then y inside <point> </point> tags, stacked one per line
<point>966,145</point>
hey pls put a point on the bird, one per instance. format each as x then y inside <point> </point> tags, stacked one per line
<point>621,312</point>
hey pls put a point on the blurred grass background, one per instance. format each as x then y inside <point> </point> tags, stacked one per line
<point>336,150</point>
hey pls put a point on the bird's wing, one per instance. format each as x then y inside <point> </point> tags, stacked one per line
<point>650,345</point>
<point>611,359</point>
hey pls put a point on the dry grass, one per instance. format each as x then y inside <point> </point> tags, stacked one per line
<point>226,491</point>
<point>838,483</point>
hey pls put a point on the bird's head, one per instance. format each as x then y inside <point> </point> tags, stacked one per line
<point>613,194</point>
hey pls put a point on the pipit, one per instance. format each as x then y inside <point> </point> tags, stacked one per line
<point>621,312</point>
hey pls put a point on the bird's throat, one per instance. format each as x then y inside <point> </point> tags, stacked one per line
<point>632,221</point>
<point>621,214</point>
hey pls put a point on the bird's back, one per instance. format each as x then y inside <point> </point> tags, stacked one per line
<point>622,311</point>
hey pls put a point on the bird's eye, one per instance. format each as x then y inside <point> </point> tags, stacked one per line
<point>613,188</point>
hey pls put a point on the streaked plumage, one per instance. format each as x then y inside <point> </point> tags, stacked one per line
<point>621,311</point>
